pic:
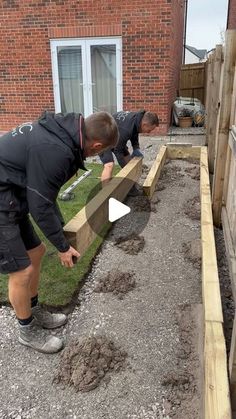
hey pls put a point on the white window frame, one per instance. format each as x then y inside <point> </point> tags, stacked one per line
<point>85,44</point>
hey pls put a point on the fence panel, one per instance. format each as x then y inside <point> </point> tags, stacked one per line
<point>192,81</point>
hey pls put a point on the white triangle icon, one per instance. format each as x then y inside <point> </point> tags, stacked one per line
<point>116,210</point>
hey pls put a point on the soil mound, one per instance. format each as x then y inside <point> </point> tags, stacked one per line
<point>143,204</point>
<point>117,282</point>
<point>132,244</point>
<point>192,208</point>
<point>194,172</point>
<point>192,251</point>
<point>84,363</point>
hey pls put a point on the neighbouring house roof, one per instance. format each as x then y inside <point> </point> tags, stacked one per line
<point>200,53</point>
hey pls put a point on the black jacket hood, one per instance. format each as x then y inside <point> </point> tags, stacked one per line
<point>69,128</point>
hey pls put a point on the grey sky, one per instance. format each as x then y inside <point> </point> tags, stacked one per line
<point>206,19</point>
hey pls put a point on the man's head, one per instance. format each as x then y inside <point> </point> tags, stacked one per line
<point>149,122</point>
<point>101,133</point>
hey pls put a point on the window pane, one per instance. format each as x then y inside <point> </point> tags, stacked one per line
<point>70,79</point>
<point>103,63</point>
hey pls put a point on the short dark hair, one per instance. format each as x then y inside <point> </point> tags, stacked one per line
<point>102,126</point>
<point>151,118</point>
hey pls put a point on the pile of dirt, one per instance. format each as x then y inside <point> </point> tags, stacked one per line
<point>172,172</point>
<point>181,388</point>
<point>85,362</point>
<point>117,282</point>
<point>143,204</point>
<point>145,169</point>
<point>181,382</point>
<point>192,208</point>
<point>193,252</point>
<point>192,160</point>
<point>160,186</point>
<point>132,244</point>
<point>194,172</point>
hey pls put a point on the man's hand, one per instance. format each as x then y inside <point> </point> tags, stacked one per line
<point>137,153</point>
<point>66,257</point>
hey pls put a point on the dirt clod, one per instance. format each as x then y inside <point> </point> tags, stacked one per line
<point>193,161</point>
<point>171,172</point>
<point>192,208</point>
<point>142,204</point>
<point>145,169</point>
<point>194,172</point>
<point>160,187</point>
<point>132,244</point>
<point>85,362</point>
<point>192,252</point>
<point>117,282</point>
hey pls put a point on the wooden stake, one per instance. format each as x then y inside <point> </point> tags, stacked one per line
<point>223,124</point>
<point>216,68</point>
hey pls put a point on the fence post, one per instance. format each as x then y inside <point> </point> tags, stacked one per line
<point>223,121</point>
<point>216,68</point>
<point>208,94</point>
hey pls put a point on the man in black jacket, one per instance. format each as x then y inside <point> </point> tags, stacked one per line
<point>36,159</point>
<point>130,125</point>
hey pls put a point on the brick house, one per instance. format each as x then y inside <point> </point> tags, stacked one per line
<point>88,55</point>
<point>231,20</point>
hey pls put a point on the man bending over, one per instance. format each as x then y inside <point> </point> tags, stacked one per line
<point>36,159</point>
<point>130,125</point>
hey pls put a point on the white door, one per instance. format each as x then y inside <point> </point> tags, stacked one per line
<point>87,75</point>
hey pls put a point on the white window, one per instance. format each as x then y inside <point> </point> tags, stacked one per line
<point>87,75</point>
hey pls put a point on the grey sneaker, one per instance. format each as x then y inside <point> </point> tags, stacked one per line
<point>35,337</point>
<point>48,320</point>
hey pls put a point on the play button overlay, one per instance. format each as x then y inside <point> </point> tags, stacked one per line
<point>129,216</point>
<point>117,210</point>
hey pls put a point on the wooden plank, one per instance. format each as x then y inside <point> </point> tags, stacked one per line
<point>216,386</point>
<point>208,82</point>
<point>231,200</point>
<point>182,151</point>
<point>231,257</point>
<point>213,104</point>
<point>192,81</point>
<point>232,143</point>
<point>154,173</point>
<point>223,123</point>
<point>210,279</point>
<point>83,228</point>
<point>230,250</point>
<point>232,366</point>
<point>195,66</point>
<point>217,397</point>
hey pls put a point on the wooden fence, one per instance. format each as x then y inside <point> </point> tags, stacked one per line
<point>221,140</point>
<point>193,81</point>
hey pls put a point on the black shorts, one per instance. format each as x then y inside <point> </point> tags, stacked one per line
<point>17,235</point>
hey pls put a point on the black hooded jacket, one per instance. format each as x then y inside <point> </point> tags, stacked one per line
<point>128,124</point>
<point>36,159</point>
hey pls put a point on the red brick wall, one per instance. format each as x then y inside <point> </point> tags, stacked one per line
<point>231,24</point>
<point>151,31</point>
<point>176,41</point>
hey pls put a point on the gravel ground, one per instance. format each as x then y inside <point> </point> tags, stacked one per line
<point>157,323</point>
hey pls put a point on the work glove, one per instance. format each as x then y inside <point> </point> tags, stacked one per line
<point>137,153</point>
